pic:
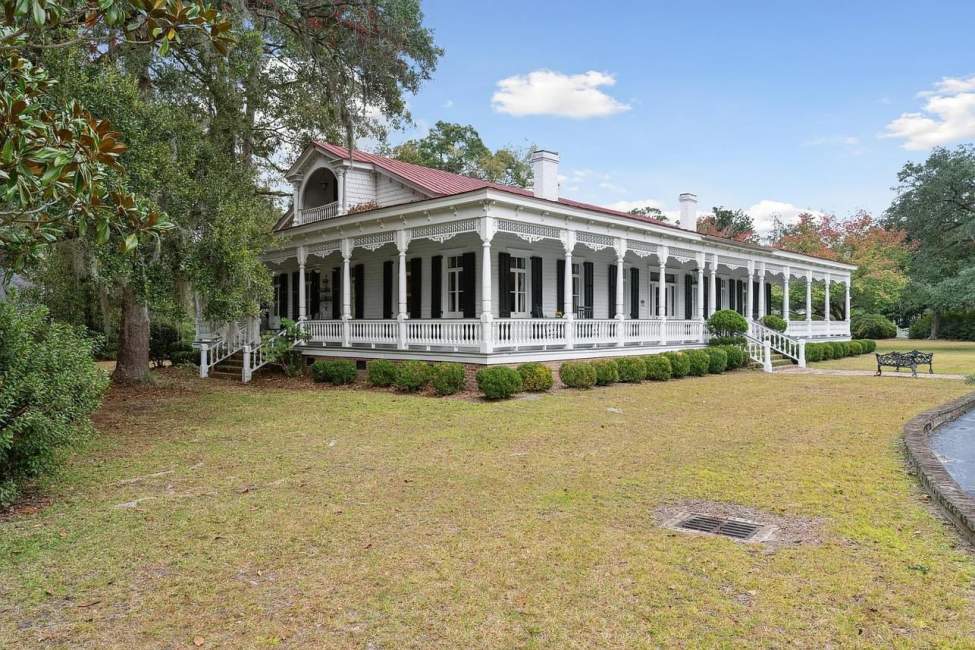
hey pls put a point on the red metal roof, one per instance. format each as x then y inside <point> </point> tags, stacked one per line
<point>440,183</point>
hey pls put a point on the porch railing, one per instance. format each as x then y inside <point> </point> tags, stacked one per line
<point>443,332</point>
<point>503,333</point>
<point>806,328</point>
<point>232,340</point>
<point>321,213</point>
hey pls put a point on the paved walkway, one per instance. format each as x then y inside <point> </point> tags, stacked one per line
<point>865,373</point>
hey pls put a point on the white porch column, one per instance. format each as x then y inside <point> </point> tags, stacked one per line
<point>749,293</point>
<point>346,290</point>
<point>826,282</point>
<point>662,254</point>
<point>568,243</point>
<point>846,311</point>
<point>287,296</point>
<point>713,288</point>
<point>620,302</point>
<point>786,273</point>
<point>302,298</point>
<point>761,290</point>
<point>340,175</point>
<point>402,244</point>
<point>699,260</point>
<point>809,281</point>
<point>486,231</point>
<point>296,202</point>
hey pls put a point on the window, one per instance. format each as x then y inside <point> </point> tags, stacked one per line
<point>670,295</point>
<point>519,287</point>
<point>455,287</point>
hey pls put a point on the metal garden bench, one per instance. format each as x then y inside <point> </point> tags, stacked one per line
<point>910,360</point>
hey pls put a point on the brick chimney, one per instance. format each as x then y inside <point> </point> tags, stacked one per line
<point>688,211</point>
<point>545,167</point>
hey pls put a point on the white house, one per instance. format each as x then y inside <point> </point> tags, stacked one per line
<point>381,258</point>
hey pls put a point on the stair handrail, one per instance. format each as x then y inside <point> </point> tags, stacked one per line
<point>784,344</point>
<point>213,351</point>
<point>258,356</point>
<point>759,351</point>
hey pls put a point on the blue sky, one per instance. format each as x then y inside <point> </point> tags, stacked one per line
<point>770,107</point>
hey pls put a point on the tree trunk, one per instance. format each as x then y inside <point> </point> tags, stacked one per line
<point>132,364</point>
<point>935,324</point>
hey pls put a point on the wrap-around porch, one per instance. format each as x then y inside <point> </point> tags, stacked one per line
<point>497,295</point>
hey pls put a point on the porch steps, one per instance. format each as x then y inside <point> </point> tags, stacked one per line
<point>230,368</point>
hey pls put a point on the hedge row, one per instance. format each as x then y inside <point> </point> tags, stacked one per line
<point>501,382</point>
<point>838,349</point>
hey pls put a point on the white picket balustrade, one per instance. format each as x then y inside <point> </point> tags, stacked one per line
<point>642,331</point>
<point>522,332</point>
<point>591,331</point>
<point>373,332</point>
<point>676,331</point>
<point>778,341</point>
<point>321,213</point>
<point>323,331</point>
<point>443,332</point>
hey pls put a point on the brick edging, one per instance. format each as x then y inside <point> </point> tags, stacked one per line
<point>953,500</point>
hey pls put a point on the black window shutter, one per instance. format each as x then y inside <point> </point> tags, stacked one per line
<point>587,292</point>
<point>560,286</point>
<point>768,299</point>
<point>688,295</point>
<point>468,280</point>
<point>504,286</point>
<point>416,288</point>
<point>634,293</point>
<point>707,297</point>
<point>536,287</point>
<point>337,292</point>
<point>436,277</point>
<point>754,299</point>
<point>283,295</point>
<point>717,293</point>
<point>316,289</point>
<point>294,295</point>
<point>388,300</point>
<point>360,290</point>
<point>612,291</point>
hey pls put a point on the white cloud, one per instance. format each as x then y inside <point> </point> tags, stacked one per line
<point>948,116</point>
<point>545,92</point>
<point>765,212</point>
<point>448,104</point>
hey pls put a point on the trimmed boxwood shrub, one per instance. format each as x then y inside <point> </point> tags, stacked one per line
<point>718,360</point>
<point>535,377</point>
<point>411,376</point>
<point>825,351</point>
<point>727,340</point>
<point>839,349</point>
<point>607,372</point>
<point>658,367</point>
<point>774,322</point>
<point>855,348</point>
<point>577,374</point>
<point>727,322</point>
<point>869,345</point>
<point>737,356</point>
<point>680,365</point>
<point>381,372</point>
<point>498,382</point>
<point>447,378</point>
<point>872,326</point>
<point>813,353</point>
<point>700,361</point>
<point>632,369</point>
<point>334,371</point>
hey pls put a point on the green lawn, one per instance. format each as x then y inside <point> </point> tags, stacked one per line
<point>324,517</point>
<point>950,357</point>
